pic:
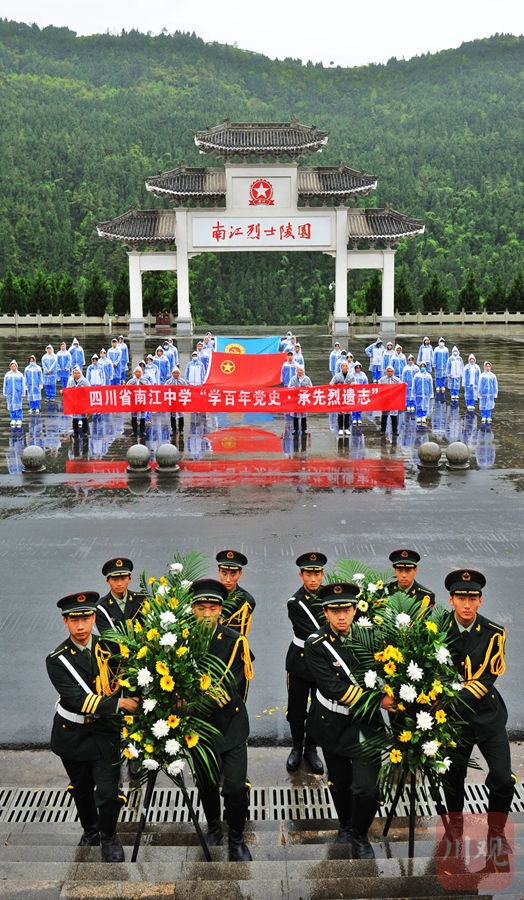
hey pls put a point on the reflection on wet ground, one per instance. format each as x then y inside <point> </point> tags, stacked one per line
<point>262,446</point>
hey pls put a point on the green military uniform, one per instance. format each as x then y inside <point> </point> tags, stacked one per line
<point>231,720</point>
<point>478,653</point>
<point>86,730</point>
<point>409,559</point>
<point>239,604</point>
<point>332,725</point>
<point>109,612</point>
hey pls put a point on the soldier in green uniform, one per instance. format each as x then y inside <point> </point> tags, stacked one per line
<point>405,563</point>
<point>306,615</point>
<point>120,604</point>
<point>86,727</point>
<point>230,719</point>
<point>477,647</point>
<point>239,604</point>
<point>333,725</point>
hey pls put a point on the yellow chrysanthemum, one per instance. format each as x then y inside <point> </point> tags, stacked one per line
<point>167,683</point>
<point>452,744</point>
<point>181,651</point>
<point>163,579</point>
<point>440,716</point>
<point>388,690</point>
<point>152,634</point>
<point>185,633</point>
<point>137,628</point>
<point>148,748</point>
<point>146,607</point>
<point>173,603</point>
<point>125,732</point>
<point>431,626</point>
<point>401,706</point>
<point>380,585</point>
<point>378,620</point>
<point>124,651</point>
<point>391,652</point>
<point>129,720</point>
<point>151,580</point>
<point>136,736</point>
<point>192,740</point>
<point>423,699</point>
<point>395,755</point>
<point>205,682</point>
<point>390,668</point>
<point>173,721</point>
<point>379,656</point>
<point>127,753</point>
<point>142,652</point>
<point>123,682</point>
<point>437,687</point>
<point>161,668</point>
<point>405,736</point>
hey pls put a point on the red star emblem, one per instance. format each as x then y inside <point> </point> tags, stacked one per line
<point>261,191</point>
<point>227,367</point>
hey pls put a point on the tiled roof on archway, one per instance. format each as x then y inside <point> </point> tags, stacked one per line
<point>260,139</point>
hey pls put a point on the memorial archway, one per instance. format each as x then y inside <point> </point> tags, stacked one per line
<point>265,206</point>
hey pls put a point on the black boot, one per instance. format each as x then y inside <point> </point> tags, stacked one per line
<point>343,803</point>
<point>295,757</point>
<point>236,813</point>
<point>134,425</point>
<point>210,801</point>
<point>312,758</point>
<point>112,850</point>
<point>364,810</point>
<point>88,815</point>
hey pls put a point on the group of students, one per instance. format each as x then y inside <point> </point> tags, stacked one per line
<point>426,377</point>
<point>321,694</point>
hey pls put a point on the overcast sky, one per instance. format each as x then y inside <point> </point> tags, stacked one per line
<point>343,32</point>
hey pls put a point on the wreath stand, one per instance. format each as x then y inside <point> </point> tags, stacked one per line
<point>148,796</point>
<point>440,808</point>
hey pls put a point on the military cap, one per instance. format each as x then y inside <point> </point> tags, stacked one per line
<point>209,590</point>
<point>81,604</point>
<point>339,593</point>
<point>404,557</point>
<point>311,562</point>
<point>465,581</point>
<point>231,559</point>
<point>118,566</point>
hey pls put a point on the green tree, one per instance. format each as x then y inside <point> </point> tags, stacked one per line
<point>469,294</point>
<point>96,295</point>
<point>67,295</point>
<point>496,299</point>
<point>516,293</point>
<point>436,296</point>
<point>12,295</point>
<point>373,292</point>
<point>120,296</point>
<point>403,294</point>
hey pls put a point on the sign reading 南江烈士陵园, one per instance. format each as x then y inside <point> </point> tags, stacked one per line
<point>165,398</point>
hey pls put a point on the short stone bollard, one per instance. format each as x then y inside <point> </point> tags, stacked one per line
<point>138,457</point>
<point>167,456</point>
<point>457,455</point>
<point>429,455</point>
<point>33,459</point>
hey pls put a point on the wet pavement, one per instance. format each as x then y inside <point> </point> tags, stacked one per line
<point>244,483</point>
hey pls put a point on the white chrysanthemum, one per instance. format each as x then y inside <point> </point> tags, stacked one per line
<point>370,678</point>
<point>185,583</point>
<point>358,576</point>
<point>176,567</point>
<point>403,620</point>
<point>162,590</point>
<point>364,622</point>
<point>363,605</point>
<point>149,704</point>
<point>168,639</point>
<point>172,747</point>
<point>424,721</point>
<point>414,671</point>
<point>372,588</point>
<point>133,751</point>
<point>160,729</point>
<point>143,677</point>
<point>430,748</point>
<point>442,655</point>
<point>150,764</point>
<point>408,693</point>
<point>443,765</point>
<point>457,686</point>
<point>167,618</point>
<point>175,767</point>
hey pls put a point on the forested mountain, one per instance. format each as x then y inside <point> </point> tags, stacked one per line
<point>86,119</point>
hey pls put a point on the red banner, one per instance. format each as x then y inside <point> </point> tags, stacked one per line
<point>169,398</point>
<point>318,472</point>
<point>245,370</point>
